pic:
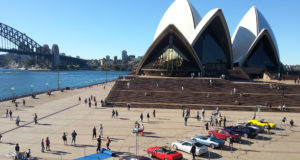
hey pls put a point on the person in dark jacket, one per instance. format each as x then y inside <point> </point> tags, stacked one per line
<point>193,151</point>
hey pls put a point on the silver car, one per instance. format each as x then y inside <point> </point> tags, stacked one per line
<point>187,145</point>
<point>213,142</point>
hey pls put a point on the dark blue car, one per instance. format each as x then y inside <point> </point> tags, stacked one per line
<point>246,132</point>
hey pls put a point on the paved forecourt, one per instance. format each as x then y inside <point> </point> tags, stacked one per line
<point>63,113</point>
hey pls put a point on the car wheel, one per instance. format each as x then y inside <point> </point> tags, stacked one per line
<point>175,147</point>
<point>211,135</point>
<point>150,154</point>
<point>212,146</point>
<point>227,139</point>
<point>245,135</point>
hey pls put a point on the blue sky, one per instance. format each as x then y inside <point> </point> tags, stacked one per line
<point>93,29</point>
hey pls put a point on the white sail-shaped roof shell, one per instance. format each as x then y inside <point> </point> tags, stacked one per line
<point>206,21</point>
<point>264,32</point>
<point>247,31</point>
<point>182,15</point>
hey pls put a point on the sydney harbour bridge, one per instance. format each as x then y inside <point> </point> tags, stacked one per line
<point>16,42</point>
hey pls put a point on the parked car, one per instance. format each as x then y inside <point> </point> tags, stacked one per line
<point>246,132</point>
<point>262,123</point>
<point>259,129</point>
<point>213,142</point>
<point>225,135</point>
<point>187,145</point>
<point>134,157</point>
<point>164,153</point>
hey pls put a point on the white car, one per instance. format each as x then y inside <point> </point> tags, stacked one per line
<point>187,145</point>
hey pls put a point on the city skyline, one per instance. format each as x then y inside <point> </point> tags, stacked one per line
<point>98,28</point>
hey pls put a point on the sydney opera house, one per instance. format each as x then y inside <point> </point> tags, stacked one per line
<point>186,43</point>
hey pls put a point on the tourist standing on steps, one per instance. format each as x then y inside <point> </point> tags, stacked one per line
<point>47,144</point>
<point>101,130</point>
<point>98,144</point>
<point>43,145</point>
<point>94,133</point>
<point>64,137</point>
<point>74,134</point>
<point>108,143</point>
<point>154,113</point>
<point>10,115</point>
<point>141,117</point>
<point>35,118</point>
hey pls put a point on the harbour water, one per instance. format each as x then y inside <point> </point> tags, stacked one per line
<point>22,82</point>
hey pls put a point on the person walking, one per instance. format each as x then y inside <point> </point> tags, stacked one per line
<point>43,145</point>
<point>154,113</point>
<point>206,126</point>
<point>74,134</point>
<point>113,114</point>
<point>198,115</point>
<point>79,99</point>
<point>141,117</point>
<point>24,102</point>
<point>94,133</point>
<point>182,112</point>
<point>210,120</point>
<point>231,143</point>
<point>269,129</point>
<point>203,112</point>
<point>128,106</point>
<point>193,150</point>
<point>117,113</point>
<point>16,105</point>
<point>6,115</point>
<point>47,144</point>
<point>291,123</point>
<point>148,116</point>
<point>101,130</point>
<point>10,115</point>
<point>17,149</point>
<point>108,142</point>
<point>224,121</point>
<point>0,137</point>
<point>283,119</point>
<point>64,137</point>
<point>18,120</point>
<point>98,144</point>
<point>35,118</point>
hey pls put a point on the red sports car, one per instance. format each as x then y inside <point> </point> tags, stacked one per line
<point>225,134</point>
<point>164,153</point>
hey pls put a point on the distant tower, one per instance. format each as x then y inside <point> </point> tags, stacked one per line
<point>108,58</point>
<point>115,59</point>
<point>124,56</point>
<point>55,52</point>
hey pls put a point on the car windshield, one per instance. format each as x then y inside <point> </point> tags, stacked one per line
<point>198,145</point>
<point>214,139</point>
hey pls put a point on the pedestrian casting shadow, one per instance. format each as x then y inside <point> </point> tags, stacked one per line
<point>29,106</point>
<point>163,118</point>
<point>270,133</point>
<point>228,148</point>
<point>58,152</point>
<point>84,145</point>
<point>279,129</point>
<point>263,138</point>
<point>245,141</point>
<point>116,139</point>
<point>152,136</point>
<point>26,126</point>
<point>154,122</point>
<point>44,124</point>
<point>149,133</point>
<point>124,118</point>
<point>9,143</point>
<point>194,125</point>
<point>212,155</point>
